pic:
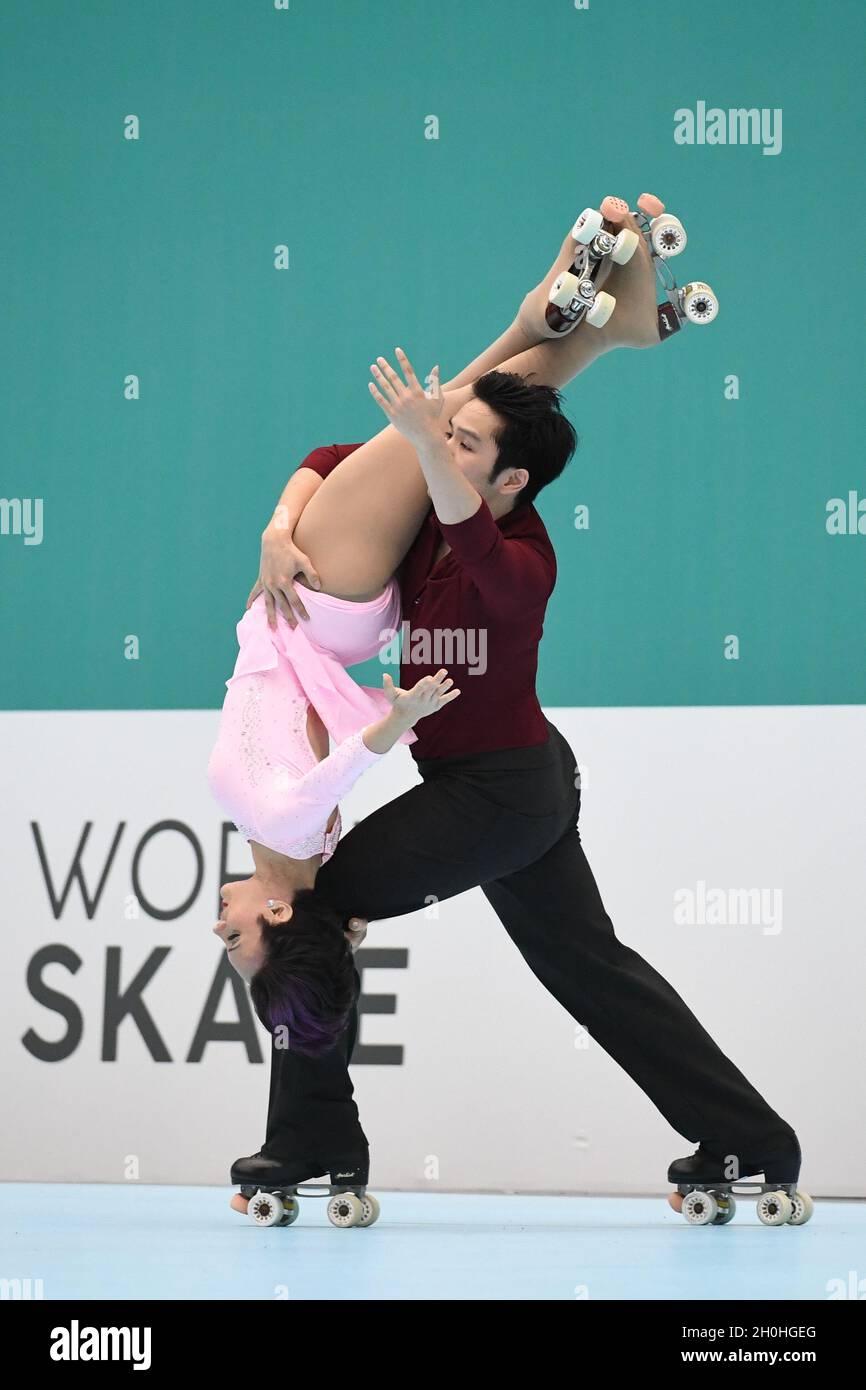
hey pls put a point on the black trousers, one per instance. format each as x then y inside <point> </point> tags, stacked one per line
<point>507,821</point>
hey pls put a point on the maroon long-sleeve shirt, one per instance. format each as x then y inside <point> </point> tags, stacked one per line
<point>479,612</point>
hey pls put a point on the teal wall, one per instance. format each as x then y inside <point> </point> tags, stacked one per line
<point>306,126</point>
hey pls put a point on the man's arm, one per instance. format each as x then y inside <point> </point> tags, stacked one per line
<point>280,558</point>
<point>511,573</point>
<point>508,571</point>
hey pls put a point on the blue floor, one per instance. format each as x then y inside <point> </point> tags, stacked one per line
<point>94,1241</point>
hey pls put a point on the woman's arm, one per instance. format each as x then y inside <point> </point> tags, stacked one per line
<point>289,813</point>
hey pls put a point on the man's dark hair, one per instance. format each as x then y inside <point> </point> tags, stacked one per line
<point>534,435</point>
<point>307,982</point>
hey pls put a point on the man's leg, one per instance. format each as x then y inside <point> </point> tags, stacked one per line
<point>434,841</point>
<point>326,1126</point>
<point>553,912</point>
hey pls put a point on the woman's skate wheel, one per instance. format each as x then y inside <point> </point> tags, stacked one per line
<point>775,1208</point>
<point>803,1208</point>
<point>601,310</point>
<point>727,1209</point>
<point>624,247</point>
<point>291,1211</point>
<point>345,1209</point>
<point>614,210</point>
<point>588,225</point>
<point>371,1210</point>
<point>651,205</point>
<point>699,303</point>
<point>564,289</point>
<point>700,1208</point>
<point>265,1209</point>
<point>668,236</point>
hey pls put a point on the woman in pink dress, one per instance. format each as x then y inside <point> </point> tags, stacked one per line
<point>343,538</point>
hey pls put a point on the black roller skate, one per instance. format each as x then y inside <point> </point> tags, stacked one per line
<point>273,1186</point>
<point>706,1182</point>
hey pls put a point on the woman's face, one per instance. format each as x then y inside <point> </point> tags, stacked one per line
<point>242,903</point>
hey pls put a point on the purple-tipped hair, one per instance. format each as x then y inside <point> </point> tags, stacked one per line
<point>307,983</point>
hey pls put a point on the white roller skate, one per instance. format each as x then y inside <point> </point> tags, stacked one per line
<point>574,294</point>
<point>666,237</point>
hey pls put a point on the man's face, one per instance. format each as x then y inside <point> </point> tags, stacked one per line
<point>470,441</point>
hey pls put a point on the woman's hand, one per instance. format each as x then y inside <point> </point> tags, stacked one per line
<point>281,561</point>
<point>408,407</point>
<point>428,696</point>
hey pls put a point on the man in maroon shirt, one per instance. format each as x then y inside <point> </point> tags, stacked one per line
<point>498,806</point>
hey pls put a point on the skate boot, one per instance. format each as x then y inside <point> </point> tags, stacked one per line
<point>706,1182</point>
<point>575,294</point>
<point>271,1188</point>
<point>666,237</point>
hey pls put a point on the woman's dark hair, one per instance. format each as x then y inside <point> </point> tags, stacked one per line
<point>307,983</point>
<point>535,434</point>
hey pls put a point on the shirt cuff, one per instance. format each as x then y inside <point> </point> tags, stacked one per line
<point>474,538</point>
<point>372,756</point>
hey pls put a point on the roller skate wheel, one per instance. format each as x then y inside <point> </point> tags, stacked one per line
<point>624,247</point>
<point>292,1211</point>
<point>614,210</point>
<point>775,1208</point>
<point>803,1208</point>
<point>651,205</point>
<point>371,1210</point>
<point>699,303</point>
<point>668,236</point>
<point>345,1209</point>
<point>266,1209</point>
<point>727,1209</point>
<point>588,225</point>
<point>601,310</point>
<point>700,1208</point>
<point>564,289</point>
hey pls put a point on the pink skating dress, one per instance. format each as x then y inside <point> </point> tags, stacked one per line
<point>263,771</point>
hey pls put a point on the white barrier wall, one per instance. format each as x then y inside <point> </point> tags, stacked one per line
<point>706,814</point>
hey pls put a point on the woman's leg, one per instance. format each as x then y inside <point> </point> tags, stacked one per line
<point>362,520</point>
<point>365,516</point>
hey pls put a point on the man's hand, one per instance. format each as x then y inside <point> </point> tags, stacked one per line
<point>415,414</point>
<point>281,561</point>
